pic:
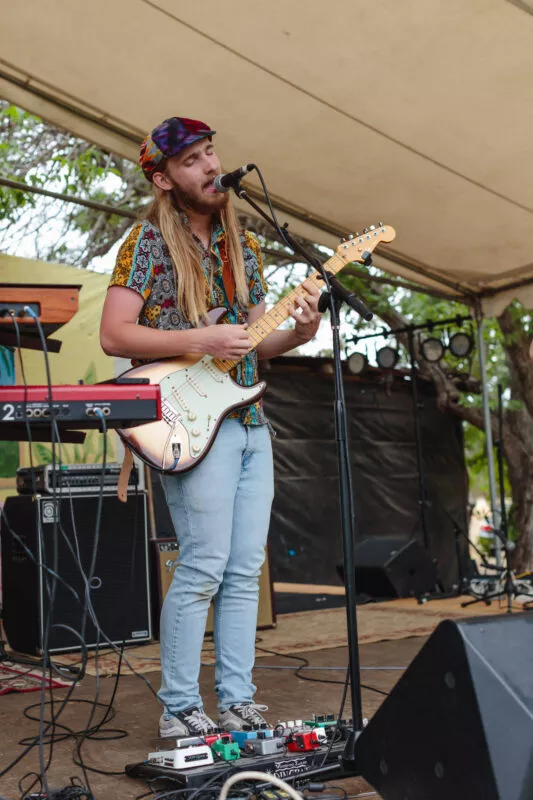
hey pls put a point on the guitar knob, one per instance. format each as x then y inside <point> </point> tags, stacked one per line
<point>195,431</point>
<point>191,416</point>
<point>196,448</point>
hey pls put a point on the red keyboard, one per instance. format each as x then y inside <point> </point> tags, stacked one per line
<point>123,405</point>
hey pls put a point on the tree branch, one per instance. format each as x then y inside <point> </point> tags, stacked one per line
<point>516,344</point>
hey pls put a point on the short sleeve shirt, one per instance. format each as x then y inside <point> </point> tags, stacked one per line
<point>144,265</point>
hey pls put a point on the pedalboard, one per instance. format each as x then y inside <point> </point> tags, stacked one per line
<point>287,766</point>
<point>293,748</point>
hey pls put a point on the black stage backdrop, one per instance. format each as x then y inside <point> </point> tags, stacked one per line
<point>305,536</point>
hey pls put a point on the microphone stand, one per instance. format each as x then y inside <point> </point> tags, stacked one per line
<point>333,298</point>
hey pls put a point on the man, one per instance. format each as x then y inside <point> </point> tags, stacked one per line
<point>186,257</point>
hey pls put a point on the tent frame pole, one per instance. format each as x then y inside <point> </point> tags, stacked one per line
<point>489,445</point>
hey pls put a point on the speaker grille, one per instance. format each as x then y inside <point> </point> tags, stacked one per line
<point>119,590</point>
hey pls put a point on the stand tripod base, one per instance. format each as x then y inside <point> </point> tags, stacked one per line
<point>349,760</point>
<point>507,591</point>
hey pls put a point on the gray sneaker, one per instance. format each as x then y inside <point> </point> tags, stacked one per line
<point>191,722</point>
<point>241,714</point>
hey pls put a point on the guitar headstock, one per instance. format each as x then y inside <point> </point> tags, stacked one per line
<point>359,247</point>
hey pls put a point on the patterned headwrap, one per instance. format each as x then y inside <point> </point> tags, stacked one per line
<point>168,139</point>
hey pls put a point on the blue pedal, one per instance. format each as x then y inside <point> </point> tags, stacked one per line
<point>242,736</point>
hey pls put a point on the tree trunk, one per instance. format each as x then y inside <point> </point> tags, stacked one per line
<point>518,449</point>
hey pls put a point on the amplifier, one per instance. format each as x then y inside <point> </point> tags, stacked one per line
<point>73,479</point>
<point>164,558</point>
<point>60,531</point>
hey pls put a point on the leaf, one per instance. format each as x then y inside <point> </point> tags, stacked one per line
<point>90,374</point>
<point>99,450</point>
<point>13,113</point>
<point>89,446</point>
<point>44,454</point>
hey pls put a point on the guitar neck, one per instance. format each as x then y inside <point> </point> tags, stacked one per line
<point>270,321</point>
<point>356,249</point>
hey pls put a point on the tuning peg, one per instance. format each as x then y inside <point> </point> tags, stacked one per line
<point>350,236</point>
<point>372,228</point>
<point>365,230</point>
<point>357,234</point>
<point>343,239</point>
<point>380,224</point>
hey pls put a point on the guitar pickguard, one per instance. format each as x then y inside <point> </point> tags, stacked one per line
<point>194,401</point>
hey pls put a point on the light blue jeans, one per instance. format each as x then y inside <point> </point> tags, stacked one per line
<point>221,514</point>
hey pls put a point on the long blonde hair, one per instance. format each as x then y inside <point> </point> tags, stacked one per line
<point>188,273</point>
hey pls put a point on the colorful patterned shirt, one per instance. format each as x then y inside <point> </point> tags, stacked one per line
<point>144,265</point>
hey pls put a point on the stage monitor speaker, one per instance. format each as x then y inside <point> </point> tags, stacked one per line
<point>164,561</point>
<point>388,566</point>
<point>459,723</point>
<point>120,586</point>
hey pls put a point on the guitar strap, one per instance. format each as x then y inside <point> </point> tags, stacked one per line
<point>124,476</point>
<point>228,279</point>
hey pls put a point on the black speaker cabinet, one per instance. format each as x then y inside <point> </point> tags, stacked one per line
<point>56,529</point>
<point>387,566</point>
<point>164,556</point>
<point>459,723</point>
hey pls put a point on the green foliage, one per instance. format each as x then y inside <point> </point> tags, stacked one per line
<point>9,459</point>
<point>90,452</point>
<point>9,451</point>
<point>39,154</point>
<point>7,366</point>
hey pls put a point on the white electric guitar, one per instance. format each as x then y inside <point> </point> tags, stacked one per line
<point>197,392</point>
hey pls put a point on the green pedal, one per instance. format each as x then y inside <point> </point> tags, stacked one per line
<point>321,721</point>
<point>229,751</point>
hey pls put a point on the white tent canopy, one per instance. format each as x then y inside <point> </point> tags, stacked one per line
<point>418,113</point>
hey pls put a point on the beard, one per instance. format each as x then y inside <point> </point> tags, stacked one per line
<point>198,201</point>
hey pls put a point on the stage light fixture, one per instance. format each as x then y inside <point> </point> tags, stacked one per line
<point>432,349</point>
<point>387,357</point>
<point>357,363</point>
<point>460,344</point>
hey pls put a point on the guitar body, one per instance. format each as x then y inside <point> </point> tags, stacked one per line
<point>195,399</point>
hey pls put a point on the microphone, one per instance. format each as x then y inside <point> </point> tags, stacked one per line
<point>223,183</point>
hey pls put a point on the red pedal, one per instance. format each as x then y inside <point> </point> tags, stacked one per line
<point>213,737</point>
<point>300,742</point>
